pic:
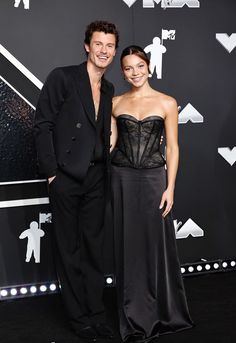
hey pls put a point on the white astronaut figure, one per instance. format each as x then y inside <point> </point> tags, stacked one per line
<point>156,51</point>
<point>34,235</point>
<point>25,2</point>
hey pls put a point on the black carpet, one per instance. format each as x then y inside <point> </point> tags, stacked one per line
<point>211,299</point>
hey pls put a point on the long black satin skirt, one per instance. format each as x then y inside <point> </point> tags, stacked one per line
<point>151,296</point>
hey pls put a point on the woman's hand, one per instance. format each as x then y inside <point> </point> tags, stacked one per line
<point>167,200</point>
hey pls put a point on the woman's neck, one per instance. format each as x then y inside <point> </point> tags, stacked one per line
<point>142,91</point>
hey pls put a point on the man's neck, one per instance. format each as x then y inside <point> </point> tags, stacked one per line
<point>95,74</point>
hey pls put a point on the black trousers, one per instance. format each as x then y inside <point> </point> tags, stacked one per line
<point>78,215</point>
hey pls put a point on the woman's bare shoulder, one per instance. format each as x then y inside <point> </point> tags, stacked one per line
<point>167,101</point>
<point>115,99</point>
<point>117,102</point>
<point>165,98</point>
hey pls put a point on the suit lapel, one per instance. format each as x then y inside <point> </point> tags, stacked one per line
<point>84,90</point>
<point>106,108</point>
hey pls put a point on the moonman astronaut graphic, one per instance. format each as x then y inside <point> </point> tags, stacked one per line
<point>25,2</point>
<point>157,49</point>
<point>34,235</point>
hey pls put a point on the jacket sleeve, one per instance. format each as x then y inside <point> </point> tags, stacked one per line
<point>50,102</point>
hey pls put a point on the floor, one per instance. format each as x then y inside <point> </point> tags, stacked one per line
<point>211,298</point>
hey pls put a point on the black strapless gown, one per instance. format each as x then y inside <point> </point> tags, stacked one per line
<point>151,296</point>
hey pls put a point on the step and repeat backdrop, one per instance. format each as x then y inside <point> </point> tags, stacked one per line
<point>192,48</point>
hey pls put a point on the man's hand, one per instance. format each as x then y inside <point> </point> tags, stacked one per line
<point>50,179</point>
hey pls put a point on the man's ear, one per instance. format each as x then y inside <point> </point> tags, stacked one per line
<point>86,46</point>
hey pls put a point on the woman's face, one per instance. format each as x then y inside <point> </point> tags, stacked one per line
<point>135,70</point>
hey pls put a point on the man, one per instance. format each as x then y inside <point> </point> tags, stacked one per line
<point>72,131</point>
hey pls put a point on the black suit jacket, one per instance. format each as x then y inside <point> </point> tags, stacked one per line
<point>65,129</point>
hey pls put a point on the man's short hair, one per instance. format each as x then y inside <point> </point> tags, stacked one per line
<point>100,26</point>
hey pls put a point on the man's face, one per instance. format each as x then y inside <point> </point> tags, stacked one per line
<point>102,49</point>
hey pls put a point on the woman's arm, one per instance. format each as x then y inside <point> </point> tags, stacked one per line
<point>172,153</point>
<point>113,133</point>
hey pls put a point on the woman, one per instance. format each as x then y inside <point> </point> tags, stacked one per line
<point>151,295</point>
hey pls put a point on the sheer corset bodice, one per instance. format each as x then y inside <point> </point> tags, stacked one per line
<point>138,144</point>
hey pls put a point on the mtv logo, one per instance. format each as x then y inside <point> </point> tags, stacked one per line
<point>168,34</point>
<point>165,3</point>
<point>228,155</point>
<point>45,218</point>
<point>228,42</point>
<point>190,228</point>
<point>189,113</point>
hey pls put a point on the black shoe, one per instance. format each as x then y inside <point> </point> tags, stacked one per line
<point>103,331</point>
<point>87,332</point>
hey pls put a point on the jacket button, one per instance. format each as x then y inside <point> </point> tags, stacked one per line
<point>68,151</point>
<point>73,138</point>
<point>63,164</point>
<point>78,125</point>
